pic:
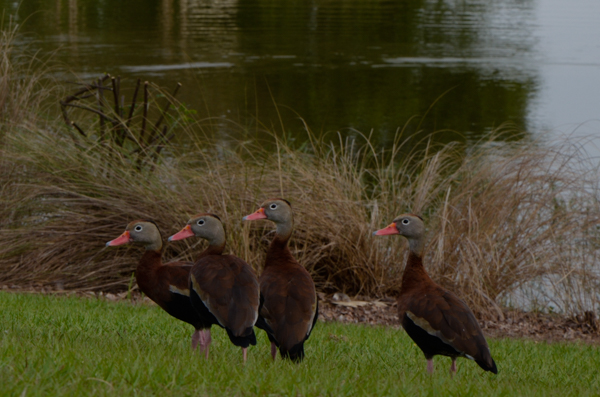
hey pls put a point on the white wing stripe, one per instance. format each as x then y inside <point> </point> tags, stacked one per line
<point>175,290</point>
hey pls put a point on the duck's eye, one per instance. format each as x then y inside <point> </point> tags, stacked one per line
<point>200,222</point>
<point>138,228</point>
<point>273,206</point>
<point>405,221</point>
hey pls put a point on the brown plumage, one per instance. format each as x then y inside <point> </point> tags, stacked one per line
<point>436,319</point>
<point>290,309</point>
<point>223,288</point>
<point>168,284</point>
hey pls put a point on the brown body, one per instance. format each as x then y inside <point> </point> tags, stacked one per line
<point>227,288</point>
<point>437,320</point>
<point>289,310</point>
<point>223,288</point>
<point>166,284</point>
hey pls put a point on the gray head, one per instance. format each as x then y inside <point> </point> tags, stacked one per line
<point>141,232</point>
<point>206,226</point>
<point>278,211</point>
<point>410,226</point>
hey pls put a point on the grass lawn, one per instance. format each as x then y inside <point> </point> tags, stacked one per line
<point>80,346</point>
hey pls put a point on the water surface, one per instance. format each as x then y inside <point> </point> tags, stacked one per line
<point>464,67</point>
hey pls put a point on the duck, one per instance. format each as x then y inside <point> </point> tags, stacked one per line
<point>224,289</point>
<point>165,284</point>
<point>289,308</point>
<point>437,320</point>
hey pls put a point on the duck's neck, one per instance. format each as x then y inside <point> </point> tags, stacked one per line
<point>150,260</point>
<point>215,247</point>
<point>284,230</point>
<point>278,251</point>
<point>414,272</point>
<point>153,255</point>
<point>145,273</point>
<point>416,246</point>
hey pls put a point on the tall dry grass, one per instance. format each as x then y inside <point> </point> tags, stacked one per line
<point>506,221</point>
<point>500,217</point>
<point>24,79</point>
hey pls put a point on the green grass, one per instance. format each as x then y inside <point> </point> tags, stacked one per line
<point>82,346</point>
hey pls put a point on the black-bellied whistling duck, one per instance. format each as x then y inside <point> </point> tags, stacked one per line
<point>436,319</point>
<point>223,288</point>
<point>168,284</point>
<point>290,309</point>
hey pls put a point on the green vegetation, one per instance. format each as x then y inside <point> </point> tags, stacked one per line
<point>65,346</point>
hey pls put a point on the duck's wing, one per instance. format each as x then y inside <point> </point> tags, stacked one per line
<point>442,314</point>
<point>290,307</point>
<point>229,290</point>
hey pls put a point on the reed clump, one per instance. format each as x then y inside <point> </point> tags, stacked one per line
<point>499,216</point>
<point>503,218</point>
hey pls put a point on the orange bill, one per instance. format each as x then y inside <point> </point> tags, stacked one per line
<point>122,239</point>
<point>390,229</point>
<point>259,214</point>
<point>184,233</point>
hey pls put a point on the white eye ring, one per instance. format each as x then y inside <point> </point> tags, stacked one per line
<point>200,222</point>
<point>273,206</point>
<point>405,221</point>
<point>138,228</point>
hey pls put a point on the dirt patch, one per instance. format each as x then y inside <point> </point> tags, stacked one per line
<point>363,310</point>
<point>511,323</point>
<point>546,327</point>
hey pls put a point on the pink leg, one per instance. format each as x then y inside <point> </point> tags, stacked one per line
<point>245,353</point>
<point>195,339</point>
<point>273,350</point>
<point>453,366</point>
<point>205,340</point>
<point>430,366</point>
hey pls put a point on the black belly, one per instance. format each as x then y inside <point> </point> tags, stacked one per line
<point>429,344</point>
<point>201,310</point>
<point>180,307</point>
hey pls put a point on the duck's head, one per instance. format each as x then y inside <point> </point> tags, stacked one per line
<point>408,225</point>
<point>276,210</point>
<point>141,232</point>
<point>206,226</point>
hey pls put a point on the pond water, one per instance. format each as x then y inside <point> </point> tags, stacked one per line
<point>464,67</point>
